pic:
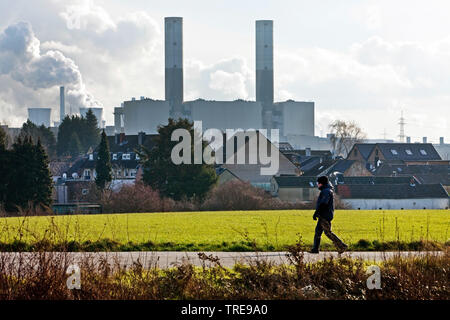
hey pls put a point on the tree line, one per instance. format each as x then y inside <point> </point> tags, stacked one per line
<point>76,135</point>
<point>25,179</point>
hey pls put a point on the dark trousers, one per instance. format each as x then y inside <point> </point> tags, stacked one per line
<point>325,226</point>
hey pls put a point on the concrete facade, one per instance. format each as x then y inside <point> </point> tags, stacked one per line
<point>225,114</point>
<point>297,118</point>
<point>144,115</point>
<point>397,204</point>
<point>40,116</point>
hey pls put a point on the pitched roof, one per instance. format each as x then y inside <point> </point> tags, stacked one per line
<point>375,180</point>
<point>296,182</point>
<point>365,149</point>
<point>130,143</point>
<point>342,165</point>
<point>408,151</point>
<point>391,191</point>
<point>426,174</point>
<point>317,169</point>
<point>86,163</point>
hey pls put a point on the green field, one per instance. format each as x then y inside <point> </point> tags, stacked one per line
<point>270,230</point>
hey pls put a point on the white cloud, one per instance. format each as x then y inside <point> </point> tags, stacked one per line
<point>228,79</point>
<point>119,51</point>
<point>22,60</point>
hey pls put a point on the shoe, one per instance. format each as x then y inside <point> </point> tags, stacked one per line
<point>342,249</point>
<point>314,251</point>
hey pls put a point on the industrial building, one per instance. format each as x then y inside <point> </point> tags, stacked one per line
<point>294,119</point>
<point>40,116</point>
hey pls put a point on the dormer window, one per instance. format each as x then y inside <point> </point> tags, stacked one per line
<point>137,157</point>
<point>408,152</point>
<point>126,156</point>
<point>394,152</point>
<point>423,152</point>
<point>115,156</point>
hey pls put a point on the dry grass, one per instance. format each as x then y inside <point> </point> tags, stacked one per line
<point>44,277</point>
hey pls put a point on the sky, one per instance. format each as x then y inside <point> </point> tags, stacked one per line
<point>357,60</point>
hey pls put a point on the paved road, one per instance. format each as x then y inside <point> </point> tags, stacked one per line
<point>227,259</point>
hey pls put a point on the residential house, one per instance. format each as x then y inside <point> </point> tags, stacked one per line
<point>393,196</point>
<point>252,172</point>
<point>401,152</point>
<point>294,188</point>
<point>224,175</point>
<point>360,152</point>
<point>424,174</point>
<point>125,161</point>
<point>339,166</point>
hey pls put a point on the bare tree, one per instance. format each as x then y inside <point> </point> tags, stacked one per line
<point>345,135</point>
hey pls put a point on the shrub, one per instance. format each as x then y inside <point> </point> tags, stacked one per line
<point>133,198</point>
<point>236,195</point>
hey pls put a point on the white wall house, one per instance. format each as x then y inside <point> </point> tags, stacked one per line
<point>394,196</point>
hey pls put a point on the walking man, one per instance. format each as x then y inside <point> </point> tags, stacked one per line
<point>325,211</point>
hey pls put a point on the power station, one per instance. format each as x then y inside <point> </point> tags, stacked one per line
<point>294,119</point>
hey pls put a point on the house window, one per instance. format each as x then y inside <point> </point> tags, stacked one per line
<point>137,157</point>
<point>114,156</point>
<point>408,152</point>
<point>423,152</point>
<point>87,174</point>
<point>133,173</point>
<point>91,157</point>
<point>126,156</point>
<point>85,192</point>
<point>394,152</point>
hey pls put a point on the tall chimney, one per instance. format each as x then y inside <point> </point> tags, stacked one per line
<point>408,139</point>
<point>118,118</point>
<point>62,104</point>
<point>264,69</point>
<point>441,140</point>
<point>174,64</point>
<point>424,139</point>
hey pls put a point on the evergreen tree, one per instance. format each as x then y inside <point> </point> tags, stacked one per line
<point>176,181</point>
<point>103,166</point>
<point>5,169</point>
<point>42,133</point>
<point>43,177</point>
<point>67,128</point>
<point>21,187</point>
<point>25,175</point>
<point>74,148</point>
<point>3,139</point>
<point>92,131</point>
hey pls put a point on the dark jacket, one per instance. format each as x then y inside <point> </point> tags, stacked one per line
<point>325,203</point>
